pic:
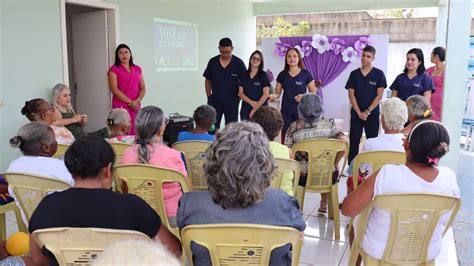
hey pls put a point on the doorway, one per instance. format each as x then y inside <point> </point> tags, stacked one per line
<point>89,37</point>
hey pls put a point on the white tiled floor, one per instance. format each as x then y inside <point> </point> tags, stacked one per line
<point>319,248</point>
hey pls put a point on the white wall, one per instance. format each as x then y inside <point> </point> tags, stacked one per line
<point>31,62</point>
<point>183,91</point>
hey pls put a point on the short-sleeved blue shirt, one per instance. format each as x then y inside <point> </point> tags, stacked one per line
<point>185,135</point>
<point>365,87</point>
<point>253,88</point>
<point>292,86</point>
<point>225,81</point>
<point>416,86</point>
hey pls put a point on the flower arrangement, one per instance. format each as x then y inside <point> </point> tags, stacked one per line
<point>321,44</point>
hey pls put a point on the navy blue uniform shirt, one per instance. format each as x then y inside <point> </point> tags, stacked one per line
<point>225,81</point>
<point>292,86</point>
<point>365,87</point>
<point>253,88</point>
<point>416,86</point>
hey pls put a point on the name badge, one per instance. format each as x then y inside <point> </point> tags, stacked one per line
<point>256,83</point>
<point>372,83</point>
<point>418,85</point>
<point>235,75</point>
<point>299,83</point>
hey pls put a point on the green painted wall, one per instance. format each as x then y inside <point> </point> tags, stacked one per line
<point>31,61</point>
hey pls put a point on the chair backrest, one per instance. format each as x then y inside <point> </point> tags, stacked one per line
<point>321,158</point>
<point>376,159</point>
<point>31,189</point>
<point>61,151</point>
<point>414,217</point>
<point>241,244</point>
<point>146,181</point>
<point>80,246</point>
<point>119,148</point>
<point>194,154</point>
<point>288,166</point>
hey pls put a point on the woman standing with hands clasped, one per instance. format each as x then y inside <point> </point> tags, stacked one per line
<point>126,83</point>
<point>254,87</point>
<point>295,81</point>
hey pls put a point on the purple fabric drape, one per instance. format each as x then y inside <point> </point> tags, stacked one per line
<point>327,66</point>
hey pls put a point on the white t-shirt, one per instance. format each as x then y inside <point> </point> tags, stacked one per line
<point>384,142</point>
<point>39,165</point>
<point>400,179</point>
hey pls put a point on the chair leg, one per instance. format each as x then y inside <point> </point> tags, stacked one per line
<point>330,207</point>
<point>3,229</point>
<point>354,254</point>
<point>335,208</point>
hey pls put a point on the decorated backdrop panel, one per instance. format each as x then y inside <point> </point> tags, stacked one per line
<point>330,59</point>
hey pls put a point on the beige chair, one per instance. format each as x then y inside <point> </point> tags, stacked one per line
<point>31,189</point>
<point>4,209</point>
<point>61,151</point>
<point>241,244</point>
<point>119,149</point>
<point>376,159</point>
<point>321,158</point>
<point>79,246</point>
<point>146,181</point>
<point>194,154</point>
<point>414,217</point>
<point>286,166</point>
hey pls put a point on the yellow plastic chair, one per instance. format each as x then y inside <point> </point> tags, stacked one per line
<point>4,209</point>
<point>241,244</point>
<point>194,154</point>
<point>414,217</point>
<point>146,181</point>
<point>61,151</point>
<point>289,166</point>
<point>321,158</point>
<point>80,246</point>
<point>376,159</point>
<point>119,149</point>
<point>31,189</point>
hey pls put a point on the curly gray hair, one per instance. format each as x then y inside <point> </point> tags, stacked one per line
<point>239,165</point>
<point>310,108</point>
<point>31,136</point>
<point>394,112</point>
<point>419,107</point>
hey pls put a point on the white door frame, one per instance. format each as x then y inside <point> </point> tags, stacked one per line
<point>113,16</point>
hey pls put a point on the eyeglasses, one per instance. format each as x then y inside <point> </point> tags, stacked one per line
<point>256,59</point>
<point>166,121</point>
<point>49,109</point>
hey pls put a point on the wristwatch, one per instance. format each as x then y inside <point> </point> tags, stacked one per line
<point>367,111</point>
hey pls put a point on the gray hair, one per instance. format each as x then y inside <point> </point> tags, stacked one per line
<point>57,89</point>
<point>239,165</point>
<point>147,125</point>
<point>310,108</point>
<point>118,116</point>
<point>31,136</point>
<point>204,116</point>
<point>419,107</point>
<point>394,113</point>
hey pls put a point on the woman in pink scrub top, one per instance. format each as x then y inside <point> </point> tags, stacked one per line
<point>437,74</point>
<point>126,83</point>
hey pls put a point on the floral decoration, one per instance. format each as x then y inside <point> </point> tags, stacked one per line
<point>349,54</point>
<point>360,44</point>
<point>337,45</point>
<point>280,48</point>
<point>320,43</point>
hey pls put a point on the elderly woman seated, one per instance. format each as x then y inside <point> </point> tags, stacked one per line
<point>419,108</point>
<point>67,117</point>
<point>92,203</point>
<point>40,110</point>
<point>37,143</point>
<point>119,124</point>
<point>239,169</point>
<point>271,120</point>
<point>426,143</point>
<point>394,115</point>
<point>311,125</point>
<point>204,117</point>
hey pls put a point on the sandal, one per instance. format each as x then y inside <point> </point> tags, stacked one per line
<point>322,207</point>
